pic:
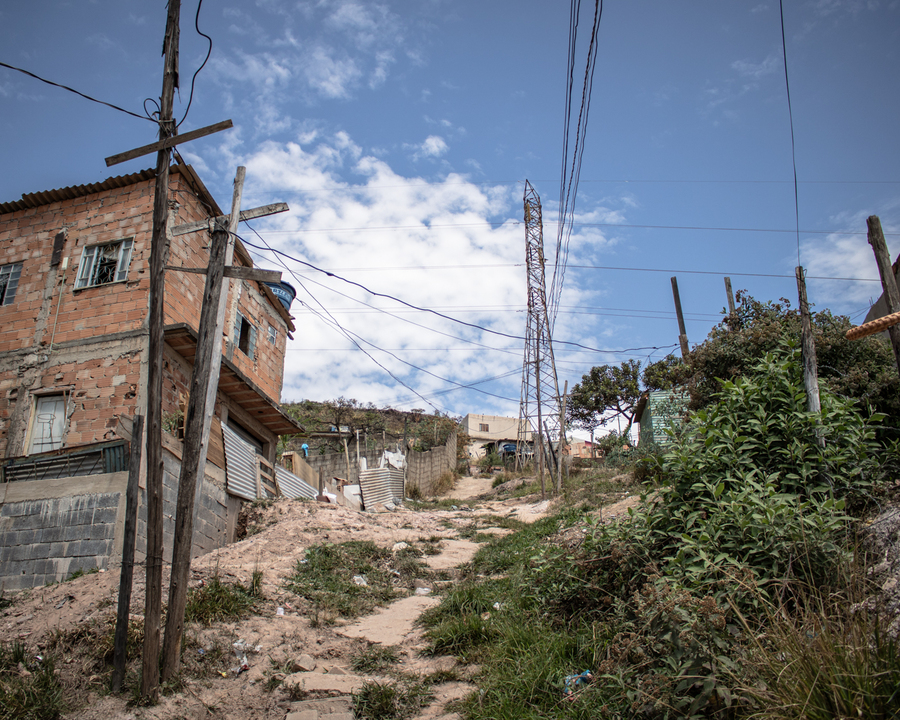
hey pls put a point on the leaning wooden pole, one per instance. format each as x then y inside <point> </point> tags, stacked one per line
<point>888,281</point>
<point>159,252</point>
<point>682,332</point>
<point>127,572</point>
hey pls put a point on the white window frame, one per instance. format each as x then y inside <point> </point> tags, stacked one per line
<point>89,266</point>
<point>9,282</point>
<point>273,335</point>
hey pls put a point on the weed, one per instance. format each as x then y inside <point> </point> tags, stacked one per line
<point>841,664</point>
<point>294,691</point>
<point>375,659</point>
<point>325,578</point>
<point>5,602</point>
<point>81,572</point>
<point>29,689</point>
<point>445,483</point>
<point>216,601</point>
<point>390,701</point>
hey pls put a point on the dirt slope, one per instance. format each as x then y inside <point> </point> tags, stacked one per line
<point>289,646</point>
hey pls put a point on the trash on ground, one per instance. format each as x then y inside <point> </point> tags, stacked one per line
<point>576,682</point>
<point>360,580</point>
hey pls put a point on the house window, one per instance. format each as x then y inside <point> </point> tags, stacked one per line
<point>104,264</point>
<point>48,424</point>
<point>483,427</point>
<point>273,335</point>
<point>245,333</point>
<point>9,281</point>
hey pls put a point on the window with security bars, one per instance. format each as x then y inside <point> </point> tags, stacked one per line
<point>104,264</point>
<point>9,282</point>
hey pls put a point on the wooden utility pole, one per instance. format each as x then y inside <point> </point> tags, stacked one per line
<point>888,281</point>
<point>127,572</point>
<point>201,404</point>
<point>682,333</point>
<point>202,401</point>
<point>808,346</point>
<point>730,295</point>
<point>159,251</point>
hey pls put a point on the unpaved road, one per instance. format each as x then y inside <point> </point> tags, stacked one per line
<point>291,646</point>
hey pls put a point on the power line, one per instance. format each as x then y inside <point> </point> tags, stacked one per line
<point>715,272</point>
<point>787,86</point>
<point>72,90</point>
<point>428,310</point>
<point>513,223</point>
<point>353,336</point>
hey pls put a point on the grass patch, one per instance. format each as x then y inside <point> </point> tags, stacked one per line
<point>325,578</point>
<point>502,553</point>
<point>81,572</point>
<point>217,601</point>
<point>29,690</point>
<point>390,701</point>
<point>446,482</point>
<point>375,659</point>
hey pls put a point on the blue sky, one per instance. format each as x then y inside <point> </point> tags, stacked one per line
<point>401,134</point>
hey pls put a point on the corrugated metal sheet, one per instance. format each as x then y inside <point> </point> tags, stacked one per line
<point>240,465</point>
<point>375,486</point>
<point>94,459</point>
<point>292,486</point>
<point>398,476</point>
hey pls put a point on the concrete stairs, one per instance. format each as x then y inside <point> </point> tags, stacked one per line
<point>333,708</point>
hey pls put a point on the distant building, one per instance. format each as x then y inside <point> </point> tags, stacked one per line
<point>658,411</point>
<point>491,433</point>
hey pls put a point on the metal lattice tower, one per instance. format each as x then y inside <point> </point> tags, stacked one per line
<point>539,407</point>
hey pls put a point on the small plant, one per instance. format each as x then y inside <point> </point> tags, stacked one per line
<point>81,572</point>
<point>216,601</point>
<point>375,658</point>
<point>446,482</point>
<point>31,695</point>
<point>390,701</point>
<point>325,578</point>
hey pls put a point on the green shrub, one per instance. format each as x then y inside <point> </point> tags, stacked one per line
<point>216,601</point>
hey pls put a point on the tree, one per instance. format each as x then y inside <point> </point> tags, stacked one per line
<point>860,370</point>
<point>605,393</point>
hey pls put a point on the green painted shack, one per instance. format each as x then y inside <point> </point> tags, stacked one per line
<point>657,411</point>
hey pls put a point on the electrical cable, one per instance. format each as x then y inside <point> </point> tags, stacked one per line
<point>428,310</point>
<point>203,64</point>
<point>787,86</point>
<point>351,336</point>
<point>716,272</point>
<point>72,90</point>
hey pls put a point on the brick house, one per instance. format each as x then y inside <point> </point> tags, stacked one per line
<point>74,291</point>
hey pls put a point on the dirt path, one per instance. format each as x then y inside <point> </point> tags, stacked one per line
<point>286,647</point>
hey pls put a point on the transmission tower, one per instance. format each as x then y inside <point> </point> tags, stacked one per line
<point>539,408</point>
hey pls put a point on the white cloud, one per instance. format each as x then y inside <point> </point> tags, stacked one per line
<point>433,146</point>
<point>747,68</point>
<point>329,74</point>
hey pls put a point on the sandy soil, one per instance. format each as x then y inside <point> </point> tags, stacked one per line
<point>316,658</point>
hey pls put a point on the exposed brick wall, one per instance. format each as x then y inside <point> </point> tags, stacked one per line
<point>89,342</point>
<point>265,369</point>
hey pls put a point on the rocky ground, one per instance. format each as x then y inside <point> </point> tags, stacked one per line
<point>298,668</point>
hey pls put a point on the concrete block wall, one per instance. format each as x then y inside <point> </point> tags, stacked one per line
<point>424,468</point>
<point>335,464</point>
<point>210,514</point>
<point>51,528</point>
